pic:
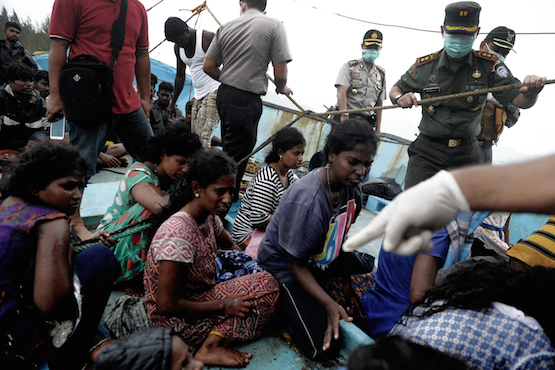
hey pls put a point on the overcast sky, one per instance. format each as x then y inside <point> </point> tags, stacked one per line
<point>321,42</point>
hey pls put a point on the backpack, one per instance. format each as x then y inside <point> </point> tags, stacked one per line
<point>86,90</point>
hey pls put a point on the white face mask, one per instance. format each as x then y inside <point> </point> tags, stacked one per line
<point>499,56</point>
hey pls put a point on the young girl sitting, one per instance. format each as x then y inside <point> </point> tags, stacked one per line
<point>266,189</point>
<point>180,274</point>
<point>40,274</point>
<point>302,246</point>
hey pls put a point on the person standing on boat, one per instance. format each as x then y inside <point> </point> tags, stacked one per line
<point>11,51</point>
<point>495,116</point>
<point>245,46</point>
<point>448,128</point>
<point>361,83</point>
<point>84,27</point>
<point>190,49</point>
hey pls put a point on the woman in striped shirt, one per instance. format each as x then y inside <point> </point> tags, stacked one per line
<point>265,190</point>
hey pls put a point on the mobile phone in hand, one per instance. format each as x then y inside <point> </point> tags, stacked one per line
<point>57,129</point>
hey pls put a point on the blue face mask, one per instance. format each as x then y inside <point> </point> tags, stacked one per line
<point>499,56</point>
<point>457,46</point>
<point>370,55</point>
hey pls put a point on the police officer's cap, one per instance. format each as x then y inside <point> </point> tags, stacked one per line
<point>502,37</point>
<point>462,17</point>
<point>372,37</point>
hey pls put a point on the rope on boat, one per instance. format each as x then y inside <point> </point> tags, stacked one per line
<point>420,102</point>
<point>120,233</point>
<point>434,99</point>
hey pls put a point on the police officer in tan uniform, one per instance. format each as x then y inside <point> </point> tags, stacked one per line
<point>495,116</point>
<point>448,128</point>
<point>361,83</point>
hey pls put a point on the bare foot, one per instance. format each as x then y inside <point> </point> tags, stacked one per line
<point>214,352</point>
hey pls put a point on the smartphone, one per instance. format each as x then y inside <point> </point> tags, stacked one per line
<point>57,129</point>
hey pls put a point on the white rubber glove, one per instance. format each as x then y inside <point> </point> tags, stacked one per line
<point>410,219</point>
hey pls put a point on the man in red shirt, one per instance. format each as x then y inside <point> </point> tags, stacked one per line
<point>85,27</point>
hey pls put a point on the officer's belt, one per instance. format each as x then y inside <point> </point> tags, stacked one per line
<point>450,143</point>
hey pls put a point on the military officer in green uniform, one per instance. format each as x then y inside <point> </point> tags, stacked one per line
<point>448,128</point>
<point>361,83</point>
<point>496,116</point>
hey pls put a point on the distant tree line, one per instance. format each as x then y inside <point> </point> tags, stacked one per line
<point>34,36</point>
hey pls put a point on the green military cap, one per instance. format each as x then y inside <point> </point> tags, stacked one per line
<point>372,37</point>
<point>462,17</point>
<point>502,37</point>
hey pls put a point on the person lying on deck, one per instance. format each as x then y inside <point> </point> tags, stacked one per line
<point>302,246</point>
<point>182,290</point>
<point>491,316</point>
<point>144,191</point>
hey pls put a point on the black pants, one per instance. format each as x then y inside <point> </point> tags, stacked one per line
<point>426,158</point>
<point>305,318</point>
<point>239,112</point>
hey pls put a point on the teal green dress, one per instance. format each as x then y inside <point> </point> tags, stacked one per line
<point>131,251</point>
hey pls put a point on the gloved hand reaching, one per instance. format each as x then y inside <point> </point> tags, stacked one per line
<point>410,219</point>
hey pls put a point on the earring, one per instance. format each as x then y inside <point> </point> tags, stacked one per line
<point>280,157</point>
<point>196,195</point>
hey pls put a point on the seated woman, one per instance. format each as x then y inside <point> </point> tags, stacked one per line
<point>302,246</point>
<point>491,316</point>
<point>265,190</point>
<point>145,191</point>
<point>180,273</point>
<point>40,274</point>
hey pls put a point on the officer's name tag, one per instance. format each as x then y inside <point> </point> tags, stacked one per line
<point>431,90</point>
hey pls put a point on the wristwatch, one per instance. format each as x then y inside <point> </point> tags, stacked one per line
<point>397,97</point>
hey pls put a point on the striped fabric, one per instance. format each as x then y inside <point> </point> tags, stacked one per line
<point>538,248</point>
<point>259,202</point>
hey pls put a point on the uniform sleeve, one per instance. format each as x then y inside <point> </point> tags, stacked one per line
<point>500,76</point>
<point>343,77</point>
<point>383,94</point>
<point>409,81</point>
<point>142,41</point>
<point>214,51</point>
<point>64,20</point>
<point>279,52</point>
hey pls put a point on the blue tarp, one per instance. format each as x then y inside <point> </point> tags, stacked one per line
<point>163,71</point>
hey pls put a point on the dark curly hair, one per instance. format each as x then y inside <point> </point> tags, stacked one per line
<point>476,287</point>
<point>206,168</point>
<point>285,139</point>
<point>346,135</point>
<point>177,139</point>
<point>19,71</point>
<point>38,166</point>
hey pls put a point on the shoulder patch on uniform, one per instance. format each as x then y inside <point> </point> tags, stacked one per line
<point>381,69</point>
<point>425,59</point>
<point>487,56</point>
<point>352,63</point>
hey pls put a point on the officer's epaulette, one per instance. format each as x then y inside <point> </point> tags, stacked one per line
<point>487,56</point>
<point>381,69</point>
<point>353,63</point>
<point>426,59</point>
